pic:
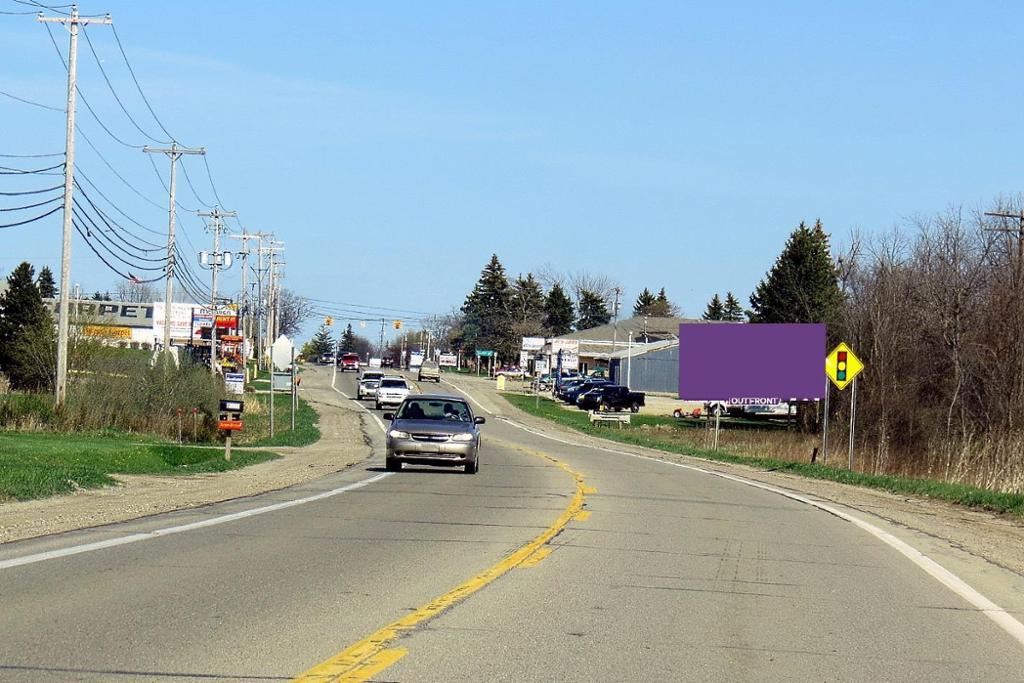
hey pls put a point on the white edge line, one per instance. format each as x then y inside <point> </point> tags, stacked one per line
<point>213,521</point>
<point>999,615</point>
<point>380,423</point>
<point>167,531</point>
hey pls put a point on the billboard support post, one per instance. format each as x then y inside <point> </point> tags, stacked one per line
<point>718,425</point>
<point>853,420</point>
<point>294,393</point>
<point>824,425</point>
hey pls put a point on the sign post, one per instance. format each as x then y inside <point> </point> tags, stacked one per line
<point>294,395</point>
<point>281,356</point>
<point>842,367</point>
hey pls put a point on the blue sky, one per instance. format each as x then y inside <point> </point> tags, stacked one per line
<point>395,146</point>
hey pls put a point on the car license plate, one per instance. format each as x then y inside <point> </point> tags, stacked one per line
<point>430,448</point>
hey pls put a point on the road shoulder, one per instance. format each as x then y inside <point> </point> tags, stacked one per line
<point>343,443</point>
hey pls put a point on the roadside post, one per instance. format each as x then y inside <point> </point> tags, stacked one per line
<point>282,358</point>
<point>195,424</point>
<point>718,425</point>
<point>842,367</point>
<point>179,425</point>
<point>230,421</point>
<point>824,424</point>
<point>294,393</point>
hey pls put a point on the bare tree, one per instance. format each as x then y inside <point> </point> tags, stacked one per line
<point>135,292</point>
<point>293,310</point>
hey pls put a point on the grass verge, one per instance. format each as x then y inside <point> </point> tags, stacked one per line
<point>257,422</point>
<point>635,435</point>
<point>40,464</point>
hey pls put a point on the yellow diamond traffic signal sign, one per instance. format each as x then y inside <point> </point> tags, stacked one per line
<point>328,320</point>
<point>842,366</point>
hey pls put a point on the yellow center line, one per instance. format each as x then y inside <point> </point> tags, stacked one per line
<point>363,659</point>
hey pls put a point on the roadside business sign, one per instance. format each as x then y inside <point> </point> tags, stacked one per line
<point>448,360</point>
<point>533,343</point>
<point>842,366</point>
<point>484,353</point>
<point>234,382</point>
<point>107,332</point>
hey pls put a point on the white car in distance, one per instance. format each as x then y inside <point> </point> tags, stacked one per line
<point>391,391</point>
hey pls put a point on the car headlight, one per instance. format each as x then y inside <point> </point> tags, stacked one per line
<point>463,436</point>
<point>398,434</point>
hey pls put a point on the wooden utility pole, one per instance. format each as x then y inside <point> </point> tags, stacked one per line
<point>72,21</point>
<point>174,152</point>
<point>217,261</point>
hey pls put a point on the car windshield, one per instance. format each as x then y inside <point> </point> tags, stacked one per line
<point>435,409</point>
<point>393,383</point>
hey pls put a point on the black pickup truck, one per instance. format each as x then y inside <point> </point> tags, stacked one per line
<point>611,397</point>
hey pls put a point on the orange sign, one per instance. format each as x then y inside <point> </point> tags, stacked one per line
<point>230,425</point>
<point>107,332</point>
<point>228,321</point>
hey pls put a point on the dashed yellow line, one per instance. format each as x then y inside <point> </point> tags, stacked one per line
<point>369,656</point>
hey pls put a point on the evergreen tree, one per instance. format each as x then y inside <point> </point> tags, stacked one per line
<point>348,340</point>
<point>593,310</point>
<point>558,311</point>
<point>322,342</point>
<point>23,319</point>
<point>662,307</point>
<point>715,310</point>
<point>528,302</point>
<point>46,284</point>
<point>802,286</point>
<point>643,303</point>
<point>487,309</point>
<point>731,311</point>
<point>101,296</point>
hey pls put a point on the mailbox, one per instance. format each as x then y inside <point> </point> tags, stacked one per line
<point>231,415</point>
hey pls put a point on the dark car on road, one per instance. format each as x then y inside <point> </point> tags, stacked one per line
<point>433,430</point>
<point>611,397</point>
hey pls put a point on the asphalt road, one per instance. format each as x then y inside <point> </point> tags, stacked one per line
<point>649,573</point>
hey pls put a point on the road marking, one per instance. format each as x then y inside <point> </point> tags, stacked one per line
<point>534,560</point>
<point>997,614</point>
<point>380,423</point>
<point>181,528</point>
<point>582,516</point>
<point>350,662</point>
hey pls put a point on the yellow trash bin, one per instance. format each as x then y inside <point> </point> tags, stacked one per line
<point>501,382</point>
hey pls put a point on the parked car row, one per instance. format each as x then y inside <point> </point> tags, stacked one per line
<point>598,393</point>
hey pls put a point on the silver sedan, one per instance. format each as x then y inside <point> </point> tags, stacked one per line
<point>433,430</point>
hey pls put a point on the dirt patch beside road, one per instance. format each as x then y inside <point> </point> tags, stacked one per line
<point>342,444</point>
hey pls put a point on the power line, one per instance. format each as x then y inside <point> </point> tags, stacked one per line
<point>32,206</point>
<point>32,102</point>
<point>113,92</point>
<point>115,206</point>
<point>109,221</point>
<point>109,246</point>
<point>193,187</point>
<point>82,95</point>
<point>209,176</point>
<point>137,86</point>
<point>107,263</point>
<point>31,156</point>
<point>114,170</point>
<point>8,170</point>
<point>25,192</point>
<point>376,308</point>
<point>31,220</point>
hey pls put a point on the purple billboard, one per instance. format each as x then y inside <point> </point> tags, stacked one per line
<point>740,362</point>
